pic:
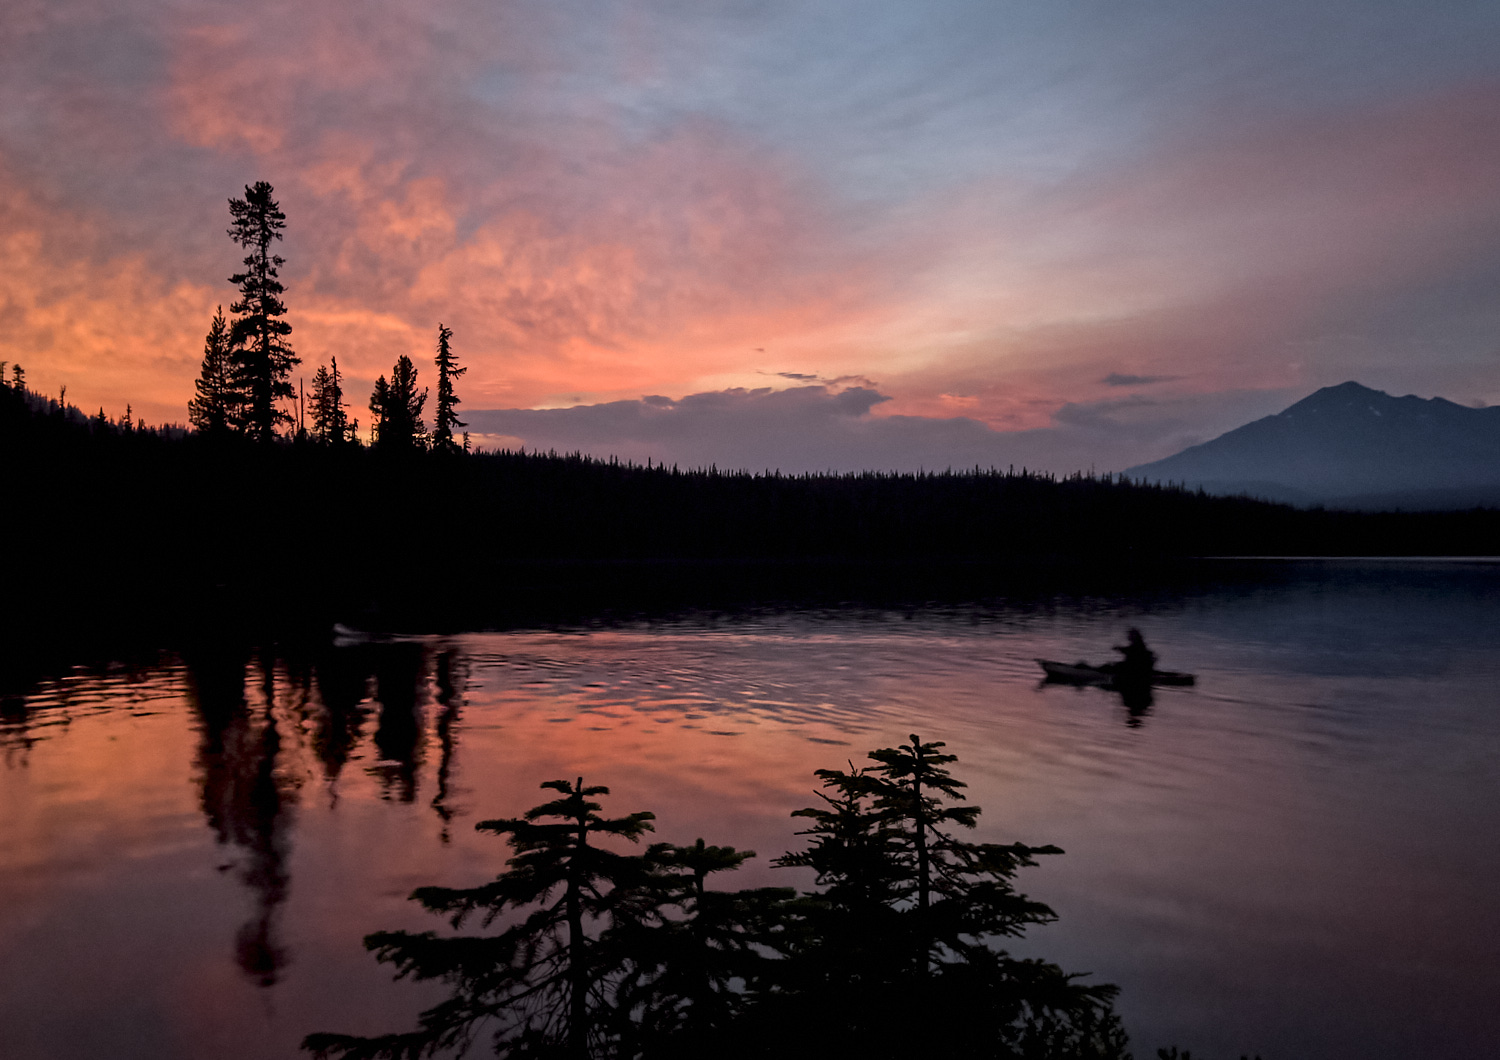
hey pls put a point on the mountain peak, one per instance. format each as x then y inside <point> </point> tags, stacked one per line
<point>1360,400</point>
<point>1341,397</point>
<point>1351,387</point>
<point>1347,439</point>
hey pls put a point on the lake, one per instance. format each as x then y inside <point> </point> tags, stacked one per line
<point>1296,857</point>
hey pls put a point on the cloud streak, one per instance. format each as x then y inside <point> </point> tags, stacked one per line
<point>1124,379</point>
<point>819,428</point>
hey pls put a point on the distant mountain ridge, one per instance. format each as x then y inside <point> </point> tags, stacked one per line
<point>1351,446</point>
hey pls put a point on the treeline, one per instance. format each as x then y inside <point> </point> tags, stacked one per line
<point>244,386</point>
<point>256,508</point>
<point>98,511</point>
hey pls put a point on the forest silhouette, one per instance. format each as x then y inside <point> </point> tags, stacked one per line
<point>272,510</point>
<point>118,525</point>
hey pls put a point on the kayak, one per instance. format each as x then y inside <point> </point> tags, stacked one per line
<point>1107,676</point>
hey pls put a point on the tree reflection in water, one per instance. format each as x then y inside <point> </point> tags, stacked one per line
<point>15,728</point>
<point>249,770</point>
<point>342,679</point>
<point>451,702</point>
<point>246,799</point>
<point>399,669</point>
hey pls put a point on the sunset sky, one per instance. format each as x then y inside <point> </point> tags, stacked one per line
<point>813,234</point>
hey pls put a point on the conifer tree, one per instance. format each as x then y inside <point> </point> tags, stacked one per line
<point>258,335</point>
<point>686,952</point>
<point>445,419</point>
<point>855,851</point>
<point>897,950</point>
<point>541,982</point>
<point>330,421</point>
<point>912,785</point>
<point>215,410</point>
<point>603,955</point>
<point>398,408</point>
<point>322,384</point>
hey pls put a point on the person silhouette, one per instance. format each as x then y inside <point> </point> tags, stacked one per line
<point>1138,661</point>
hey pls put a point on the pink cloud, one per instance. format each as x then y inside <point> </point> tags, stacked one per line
<point>564,254</point>
<point>102,324</point>
<point>1249,256</point>
<point>436,164</point>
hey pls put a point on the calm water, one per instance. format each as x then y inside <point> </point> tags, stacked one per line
<point>1297,857</point>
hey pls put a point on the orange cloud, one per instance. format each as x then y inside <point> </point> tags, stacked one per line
<point>456,161</point>
<point>105,326</point>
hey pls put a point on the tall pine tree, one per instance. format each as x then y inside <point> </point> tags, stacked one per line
<point>264,358</point>
<point>446,419</point>
<point>216,408</point>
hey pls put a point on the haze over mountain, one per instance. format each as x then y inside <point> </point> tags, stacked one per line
<point>1351,446</point>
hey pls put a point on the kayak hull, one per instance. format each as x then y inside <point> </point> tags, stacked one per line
<point>1108,676</point>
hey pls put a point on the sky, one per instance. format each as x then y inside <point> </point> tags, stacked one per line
<point>822,234</point>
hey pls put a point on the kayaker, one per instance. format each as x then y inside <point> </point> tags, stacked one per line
<point>1139,661</point>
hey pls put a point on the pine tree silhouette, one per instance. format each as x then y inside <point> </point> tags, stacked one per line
<point>607,955</point>
<point>264,359</point>
<point>896,951</point>
<point>398,408</point>
<point>330,420</point>
<point>445,419</point>
<point>686,952</point>
<point>542,981</point>
<point>216,408</point>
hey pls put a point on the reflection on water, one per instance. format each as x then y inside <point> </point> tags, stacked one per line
<point>1137,701</point>
<point>449,677</point>
<point>1293,858</point>
<point>399,729</point>
<point>342,689</point>
<point>246,799</point>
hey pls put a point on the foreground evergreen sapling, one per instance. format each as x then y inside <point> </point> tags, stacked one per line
<point>538,986</point>
<point>688,952</point>
<point>896,951</point>
<point>602,954</point>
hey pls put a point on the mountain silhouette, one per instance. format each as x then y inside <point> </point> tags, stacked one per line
<point>1349,446</point>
